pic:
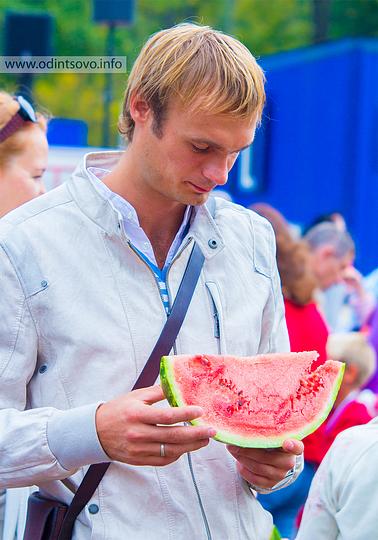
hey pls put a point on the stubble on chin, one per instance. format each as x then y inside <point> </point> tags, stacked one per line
<point>197,199</point>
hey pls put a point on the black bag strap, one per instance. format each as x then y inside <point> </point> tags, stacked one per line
<point>147,377</point>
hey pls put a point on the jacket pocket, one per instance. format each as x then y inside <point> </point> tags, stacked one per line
<point>26,264</point>
<point>216,311</point>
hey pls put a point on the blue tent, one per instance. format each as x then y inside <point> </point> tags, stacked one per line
<point>317,150</point>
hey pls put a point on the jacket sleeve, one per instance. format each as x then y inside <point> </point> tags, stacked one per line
<point>26,456</point>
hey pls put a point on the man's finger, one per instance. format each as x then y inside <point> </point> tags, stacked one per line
<point>170,450</point>
<point>276,458</point>
<point>292,446</point>
<point>270,472</point>
<point>179,434</point>
<point>169,415</point>
<point>256,479</point>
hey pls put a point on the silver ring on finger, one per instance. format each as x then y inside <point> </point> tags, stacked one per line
<point>162,450</point>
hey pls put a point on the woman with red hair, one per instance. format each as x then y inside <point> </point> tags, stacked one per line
<point>306,326</point>
<point>23,152</point>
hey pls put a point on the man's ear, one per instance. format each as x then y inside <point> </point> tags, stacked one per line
<point>326,251</point>
<point>140,110</point>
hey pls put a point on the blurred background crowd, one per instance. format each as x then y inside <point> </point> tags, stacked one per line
<point>312,171</point>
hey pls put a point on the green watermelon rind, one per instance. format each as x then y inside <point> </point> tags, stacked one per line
<point>275,534</point>
<point>175,399</point>
<point>166,381</point>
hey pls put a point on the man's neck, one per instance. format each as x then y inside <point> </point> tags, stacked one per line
<point>159,217</point>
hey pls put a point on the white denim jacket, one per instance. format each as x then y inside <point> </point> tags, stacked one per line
<point>342,503</point>
<point>80,314</point>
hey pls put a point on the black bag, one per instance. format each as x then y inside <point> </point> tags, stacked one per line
<point>45,518</point>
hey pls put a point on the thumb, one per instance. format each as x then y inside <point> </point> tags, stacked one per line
<point>292,446</point>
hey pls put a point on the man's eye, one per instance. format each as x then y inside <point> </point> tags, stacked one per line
<point>37,178</point>
<point>200,149</point>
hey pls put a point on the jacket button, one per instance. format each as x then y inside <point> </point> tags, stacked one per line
<point>43,368</point>
<point>93,508</point>
<point>213,243</point>
<point>44,284</point>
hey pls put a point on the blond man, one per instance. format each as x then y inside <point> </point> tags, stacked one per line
<point>107,252</point>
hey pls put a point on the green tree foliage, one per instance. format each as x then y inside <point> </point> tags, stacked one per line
<point>265,26</point>
<point>268,27</point>
<point>354,18</point>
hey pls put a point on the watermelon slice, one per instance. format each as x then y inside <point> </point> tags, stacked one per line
<point>257,401</point>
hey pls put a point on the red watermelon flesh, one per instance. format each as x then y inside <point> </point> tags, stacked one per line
<point>256,401</point>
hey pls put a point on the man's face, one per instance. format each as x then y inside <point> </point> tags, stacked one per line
<point>192,155</point>
<point>328,267</point>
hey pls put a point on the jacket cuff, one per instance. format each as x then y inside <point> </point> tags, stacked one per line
<point>73,439</point>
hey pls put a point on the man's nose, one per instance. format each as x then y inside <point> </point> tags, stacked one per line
<point>217,172</point>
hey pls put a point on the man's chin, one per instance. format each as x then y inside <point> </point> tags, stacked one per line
<point>198,199</point>
<point>326,285</point>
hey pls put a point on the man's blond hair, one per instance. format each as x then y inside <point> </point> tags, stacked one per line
<point>353,348</point>
<point>207,69</point>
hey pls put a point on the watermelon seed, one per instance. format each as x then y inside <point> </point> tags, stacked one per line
<point>230,410</point>
<point>241,402</point>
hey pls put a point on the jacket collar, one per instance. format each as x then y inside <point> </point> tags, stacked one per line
<point>203,227</point>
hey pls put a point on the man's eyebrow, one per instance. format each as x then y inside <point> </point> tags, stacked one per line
<point>218,146</point>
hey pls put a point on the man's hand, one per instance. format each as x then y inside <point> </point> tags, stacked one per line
<point>264,468</point>
<point>130,430</point>
<point>353,280</point>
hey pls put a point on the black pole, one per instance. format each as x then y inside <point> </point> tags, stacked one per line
<point>25,86</point>
<point>321,13</point>
<point>108,88</point>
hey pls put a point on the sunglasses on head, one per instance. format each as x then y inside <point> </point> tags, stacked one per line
<point>26,113</point>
